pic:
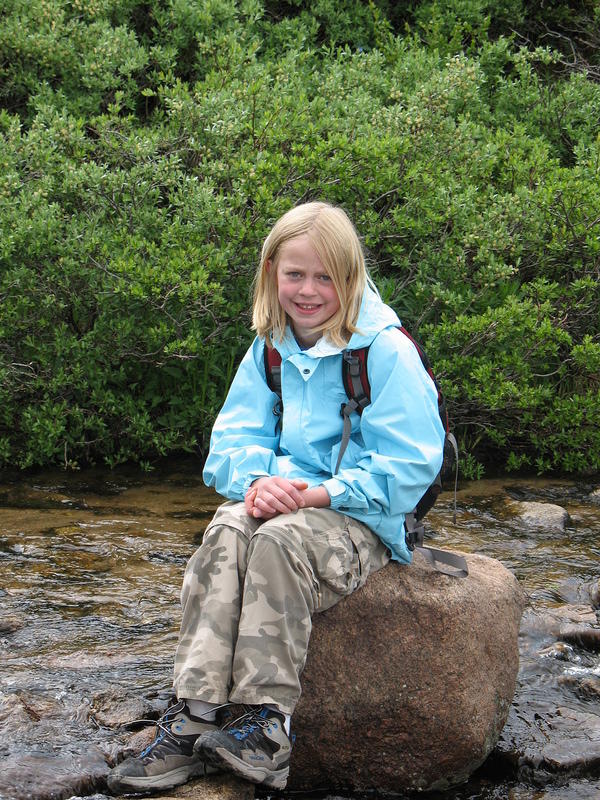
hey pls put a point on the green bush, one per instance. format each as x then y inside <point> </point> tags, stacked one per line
<point>147,148</point>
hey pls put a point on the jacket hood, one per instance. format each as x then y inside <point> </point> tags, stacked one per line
<point>373,317</point>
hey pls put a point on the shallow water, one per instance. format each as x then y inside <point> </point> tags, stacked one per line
<point>90,570</point>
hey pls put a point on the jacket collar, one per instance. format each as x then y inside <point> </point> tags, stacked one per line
<point>373,317</point>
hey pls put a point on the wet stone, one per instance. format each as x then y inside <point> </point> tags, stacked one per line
<point>548,516</point>
<point>579,615</point>
<point>583,635</point>
<point>586,687</point>
<point>49,777</point>
<point>10,623</point>
<point>540,742</point>
<point>96,796</point>
<point>28,708</point>
<point>114,709</point>
<point>595,595</point>
<point>561,651</point>
<point>577,789</point>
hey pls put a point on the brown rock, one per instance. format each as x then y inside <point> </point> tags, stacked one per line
<point>113,708</point>
<point>585,686</point>
<point>584,636</point>
<point>409,681</point>
<point>10,623</point>
<point>217,787</point>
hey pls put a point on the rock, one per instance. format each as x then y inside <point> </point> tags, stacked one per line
<point>561,651</point>
<point>587,687</point>
<point>541,742</point>
<point>594,497</point>
<point>584,636</point>
<point>26,709</point>
<point>50,777</point>
<point>549,516</point>
<point>408,681</point>
<point>113,709</point>
<point>217,787</point>
<point>10,623</point>
<point>595,595</point>
<point>552,620</point>
<point>138,742</point>
<point>574,623</point>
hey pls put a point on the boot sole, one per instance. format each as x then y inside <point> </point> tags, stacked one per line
<point>168,780</point>
<point>224,760</point>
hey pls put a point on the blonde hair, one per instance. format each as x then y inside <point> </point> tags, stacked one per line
<point>337,244</point>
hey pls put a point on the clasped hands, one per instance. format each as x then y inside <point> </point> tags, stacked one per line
<point>272,495</point>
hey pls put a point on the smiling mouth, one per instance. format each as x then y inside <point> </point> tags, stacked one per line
<point>307,306</point>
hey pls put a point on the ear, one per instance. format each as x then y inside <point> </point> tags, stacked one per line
<point>268,265</point>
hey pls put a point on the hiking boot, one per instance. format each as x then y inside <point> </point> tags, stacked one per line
<point>253,745</point>
<point>170,760</point>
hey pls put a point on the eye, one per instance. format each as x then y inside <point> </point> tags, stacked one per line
<point>325,278</point>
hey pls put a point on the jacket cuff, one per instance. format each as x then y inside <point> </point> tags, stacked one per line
<point>338,492</point>
<point>254,476</point>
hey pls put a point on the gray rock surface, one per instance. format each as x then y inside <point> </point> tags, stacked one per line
<point>594,497</point>
<point>549,516</point>
<point>409,681</point>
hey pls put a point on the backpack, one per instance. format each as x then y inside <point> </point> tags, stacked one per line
<point>358,391</point>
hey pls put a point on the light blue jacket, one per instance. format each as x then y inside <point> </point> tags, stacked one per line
<point>395,449</point>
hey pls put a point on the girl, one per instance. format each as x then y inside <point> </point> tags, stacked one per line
<point>296,534</point>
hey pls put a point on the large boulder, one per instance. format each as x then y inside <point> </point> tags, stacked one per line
<point>408,682</point>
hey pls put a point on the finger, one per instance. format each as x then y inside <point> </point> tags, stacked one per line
<point>294,493</point>
<point>276,490</point>
<point>298,486</point>
<point>249,500</point>
<point>281,491</point>
<point>272,504</point>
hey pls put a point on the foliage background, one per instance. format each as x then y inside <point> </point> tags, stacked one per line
<point>147,147</point>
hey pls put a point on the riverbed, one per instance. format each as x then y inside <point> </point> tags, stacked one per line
<point>90,569</point>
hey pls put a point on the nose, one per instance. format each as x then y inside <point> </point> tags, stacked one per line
<point>308,286</point>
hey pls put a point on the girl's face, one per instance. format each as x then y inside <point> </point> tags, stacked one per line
<point>305,290</point>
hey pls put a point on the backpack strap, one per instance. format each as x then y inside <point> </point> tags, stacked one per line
<point>272,359</point>
<point>444,561</point>
<point>356,384</point>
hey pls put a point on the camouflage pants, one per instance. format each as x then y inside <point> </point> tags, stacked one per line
<point>248,595</point>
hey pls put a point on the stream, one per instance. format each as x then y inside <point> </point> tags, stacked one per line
<point>91,564</point>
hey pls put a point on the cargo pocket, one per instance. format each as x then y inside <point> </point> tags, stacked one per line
<point>372,552</point>
<point>336,564</point>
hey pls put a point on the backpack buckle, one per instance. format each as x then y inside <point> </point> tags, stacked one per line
<point>414,531</point>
